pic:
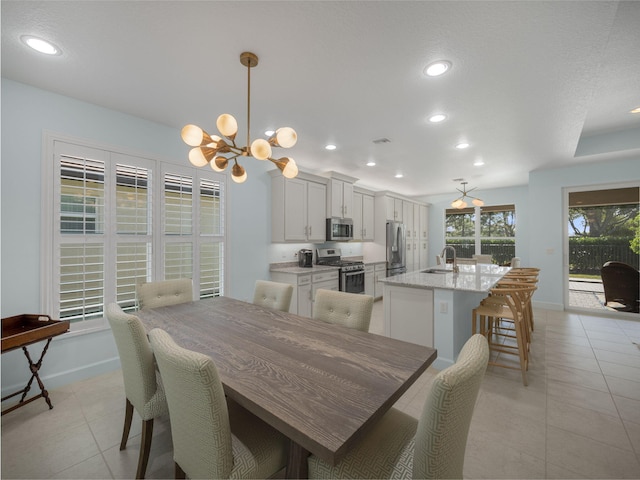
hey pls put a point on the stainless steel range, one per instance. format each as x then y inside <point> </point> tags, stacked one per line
<point>351,272</point>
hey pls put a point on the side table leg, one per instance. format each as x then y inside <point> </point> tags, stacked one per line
<point>34,368</point>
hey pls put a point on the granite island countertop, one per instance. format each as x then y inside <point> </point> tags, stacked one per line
<point>471,278</point>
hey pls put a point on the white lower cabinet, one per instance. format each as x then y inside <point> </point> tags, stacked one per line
<point>408,314</point>
<point>380,271</point>
<point>369,280</point>
<point>304,300</point>
<point>305,287</point>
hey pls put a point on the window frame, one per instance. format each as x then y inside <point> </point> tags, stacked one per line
<point>52,238</point>
<point>477,212</point>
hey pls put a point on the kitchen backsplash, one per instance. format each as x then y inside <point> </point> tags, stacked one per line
<point>288,252</point>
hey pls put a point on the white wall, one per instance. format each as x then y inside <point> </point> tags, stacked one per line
<point>546,228</point>
<point>26,113</point>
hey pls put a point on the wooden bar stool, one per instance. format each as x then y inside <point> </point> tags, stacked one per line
<point>503,320</point>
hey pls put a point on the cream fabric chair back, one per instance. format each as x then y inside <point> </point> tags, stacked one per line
<point>198,410</point>
<point>273,295</point>
<point>136,358</point>
<point>443,427</point>
<point>213,437</point>
<point>348,309</point>
<point>399,446</point>
<point>164,293</point>
<point>142,387</point>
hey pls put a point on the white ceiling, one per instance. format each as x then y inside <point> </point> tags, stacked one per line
<point>531,82</point>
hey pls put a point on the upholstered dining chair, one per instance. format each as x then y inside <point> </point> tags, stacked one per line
<point>164,293</point>
<point>212,438</point>
<point>142,386</point>
<point>273,295</point>
<point>351,310</point>
<point>399,446</point>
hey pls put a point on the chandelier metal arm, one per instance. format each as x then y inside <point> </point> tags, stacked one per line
<point>460,203</point>
<point>211,149</point>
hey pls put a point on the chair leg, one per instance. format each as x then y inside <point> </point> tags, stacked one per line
<point>128,416</point>
<point>179,473</point>
<point>145,447</point>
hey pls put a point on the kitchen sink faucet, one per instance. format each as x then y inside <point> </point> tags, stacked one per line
<point>455,261</point>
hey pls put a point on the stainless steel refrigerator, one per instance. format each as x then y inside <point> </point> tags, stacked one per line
<point>396,249</point>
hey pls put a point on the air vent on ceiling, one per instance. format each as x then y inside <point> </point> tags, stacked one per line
<point>382,140</point>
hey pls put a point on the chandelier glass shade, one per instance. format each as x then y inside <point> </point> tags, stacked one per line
<point>218,152</point>
<point>460,201</point>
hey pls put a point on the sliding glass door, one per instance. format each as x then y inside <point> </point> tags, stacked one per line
<point>602,225</point>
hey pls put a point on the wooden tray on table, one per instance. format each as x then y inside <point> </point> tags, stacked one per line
<point>20,331</point>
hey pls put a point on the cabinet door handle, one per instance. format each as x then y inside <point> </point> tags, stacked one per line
<point>310,230</point>
<point>306,230</point>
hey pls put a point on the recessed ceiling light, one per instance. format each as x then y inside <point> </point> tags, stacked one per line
<point>40,45</point>
<point>478,163</point>
<point>635,110</point>
<point>330,147</point>
<point>371,163</point>
<point>437,118</point>
<point>268,133</point>
<point>437,68</point>
<point>399,175</point>
<point>462,145</point>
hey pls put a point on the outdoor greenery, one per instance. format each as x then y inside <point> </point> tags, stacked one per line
<point>588,254</point>
<point>500,224</point>
<point>501,251</point>
<point>599,234</point>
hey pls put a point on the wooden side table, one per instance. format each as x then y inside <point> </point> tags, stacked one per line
<point>20,331</point>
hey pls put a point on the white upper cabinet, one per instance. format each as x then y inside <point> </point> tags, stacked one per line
<point>393,208</point>
<point>363,217</point>
<point>340,198</point>
<point>407,217</point>
<point>424,222</point>
<point>298,212</point>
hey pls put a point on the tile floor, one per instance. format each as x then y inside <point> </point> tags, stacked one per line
<point>578,418</point>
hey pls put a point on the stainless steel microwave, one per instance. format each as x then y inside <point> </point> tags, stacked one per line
<point>339,229</point>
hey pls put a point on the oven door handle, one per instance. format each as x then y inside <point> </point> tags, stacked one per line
<point>351,274</point>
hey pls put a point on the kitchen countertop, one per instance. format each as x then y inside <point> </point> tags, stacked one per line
<point>295,269</point>
<point>471,278</point>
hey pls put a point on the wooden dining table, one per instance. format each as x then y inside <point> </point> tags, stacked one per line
<point>322,385</point>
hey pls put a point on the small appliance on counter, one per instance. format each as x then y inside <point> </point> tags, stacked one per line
<point>305,258</point>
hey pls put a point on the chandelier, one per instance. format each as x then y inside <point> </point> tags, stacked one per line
<point>460,203</point>
<point>218,152</point>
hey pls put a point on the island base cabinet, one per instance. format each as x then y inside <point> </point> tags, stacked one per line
<point>408,314</point>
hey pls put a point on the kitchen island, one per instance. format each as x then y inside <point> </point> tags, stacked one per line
<point>433,307</point>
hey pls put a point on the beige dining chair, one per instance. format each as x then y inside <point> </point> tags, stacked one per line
<point>480,258</point>
<point>142,386</point>
<point>351,310</point>
<point>212,438</point>
<point>273,295</point>
<point>399,446</point>
<point>164,293</point>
